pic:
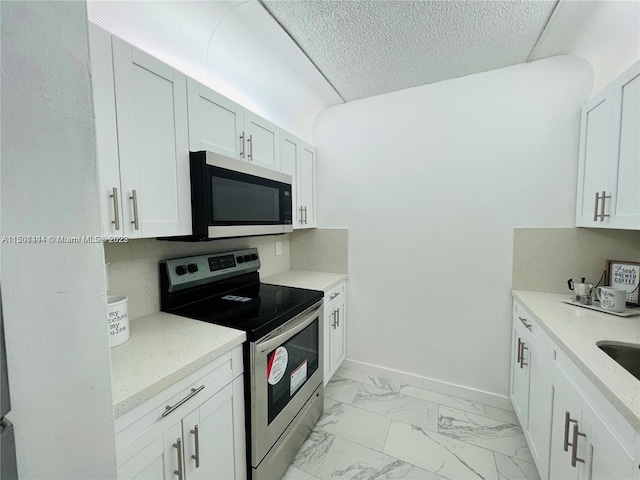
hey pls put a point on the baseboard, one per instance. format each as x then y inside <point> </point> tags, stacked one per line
<point>459,391</point>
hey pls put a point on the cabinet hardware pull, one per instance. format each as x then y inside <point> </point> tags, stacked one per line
<point>116,215</point>
<point>178,446</point>
<point>134,197</point>
<point>567,421</point>
<point>522,362</point>
<point>338,321</point>
<point>524,322</point>
<point>300,215</point>
<point>333,316</point>
<point>519,350</point>
<point>169,408</point>
<point>574,445</point>
<point>604,197</point>
<point>595,209</point>
<point>334,295</point>
<point>305,215</point>
<point>250,142</point>
<point>196,457</point>
<point>242,145</point>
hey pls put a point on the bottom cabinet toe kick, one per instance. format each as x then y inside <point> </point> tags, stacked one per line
<point>579,410</point>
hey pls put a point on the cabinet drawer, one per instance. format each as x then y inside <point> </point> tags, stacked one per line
<point>145,422</point>
<point>537,334</point>
<point>335,293</point>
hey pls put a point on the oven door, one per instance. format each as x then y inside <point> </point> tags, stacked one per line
<point>287,370</point>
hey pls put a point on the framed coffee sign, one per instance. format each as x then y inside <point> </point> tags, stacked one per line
<point>625,275</point>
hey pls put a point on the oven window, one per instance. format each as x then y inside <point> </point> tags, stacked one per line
<point>289,366</point>
<point>236,201</point>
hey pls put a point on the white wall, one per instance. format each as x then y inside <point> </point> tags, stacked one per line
<point>53,294</point>
<point>430,182</point>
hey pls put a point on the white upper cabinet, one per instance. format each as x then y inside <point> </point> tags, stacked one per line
<point>215,122</point>
<point>262,141</point>
<point>298,159</point>
<point>609,161</point>
<point>141,129</point>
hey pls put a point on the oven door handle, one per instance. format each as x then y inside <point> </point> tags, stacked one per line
<point>292,328</point>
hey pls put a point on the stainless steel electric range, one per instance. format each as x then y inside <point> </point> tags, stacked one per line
<point>282,355</point>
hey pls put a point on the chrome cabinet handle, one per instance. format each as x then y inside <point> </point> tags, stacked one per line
<point>333,316</point>
<point>522,362</point>
<point>300,215</point>
<point>604,200</point>
<point>116,214</point>
<point>242,145</point>
<point>524,322</point>
<point>196,457</point>
<point>305,215</point>
<point>567,421</point>
<point>595,208</point>
<point>250,142</point>
<point>134,197</point>
<point>334,295</point>
<point>178,446</point>
<point>169,408</point>
<point>519,351</point>
<point>574,445</point>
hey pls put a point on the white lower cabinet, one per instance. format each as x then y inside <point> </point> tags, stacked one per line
<point>335,327</point>
<point>202,437</point>
<point>573,432</point>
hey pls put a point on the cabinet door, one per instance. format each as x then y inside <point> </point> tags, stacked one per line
<point>263,141</point>
<point>212,447</point>
<point>626,171</point>
<point>158,460</point>
<point>289,164</point>
<point>104,104</point>
<point>215,122</point>
<point>338,340</point>
<point>307,184</point>
<point>595,159</point>
<point>151,110</point>
<point>566,401</point>
<point>519,374</point>
<point>538,426</point>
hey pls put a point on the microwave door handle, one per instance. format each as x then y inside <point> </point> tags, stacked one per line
<point>298,326</point>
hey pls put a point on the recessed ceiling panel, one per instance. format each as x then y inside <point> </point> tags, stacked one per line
<point>367,48</point>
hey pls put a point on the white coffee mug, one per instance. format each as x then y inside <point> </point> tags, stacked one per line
<point>117,320</point>
<point>611,298</point>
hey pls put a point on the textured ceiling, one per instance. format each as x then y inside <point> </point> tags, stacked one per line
<point>367,48</point>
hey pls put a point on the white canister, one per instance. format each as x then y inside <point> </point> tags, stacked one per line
<point>117,319</point>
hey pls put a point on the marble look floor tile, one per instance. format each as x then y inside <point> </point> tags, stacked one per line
<point>443,399</point>
<point>313,450</point>
<point>361,426</point>
<point>341,389</point>
<point>370,379</point>
<point>397,406</point>
<point>510,468</point>
<point>501,414</point>
<point>440,454</point>
<point>294,473</point>
<point>349,460</point>
<point>484,432</point>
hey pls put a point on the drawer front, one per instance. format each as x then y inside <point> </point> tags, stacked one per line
<point>536,333</point>
<point>335,293</point>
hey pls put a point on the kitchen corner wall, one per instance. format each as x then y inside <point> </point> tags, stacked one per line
<point>320,250</point>
<point>545,258</point>
<point>133,266</point>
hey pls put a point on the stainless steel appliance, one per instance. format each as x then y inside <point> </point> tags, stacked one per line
<point>283,352</point>
<point>8,470</point>
<point>231,198</point>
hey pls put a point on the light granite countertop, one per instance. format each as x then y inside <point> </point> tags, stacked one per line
<point>576,330</point>
<point>306,279</point>
<point>163,349</point>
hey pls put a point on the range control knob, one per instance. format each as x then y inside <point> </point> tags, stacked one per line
<point>254,256</point>
<point>247,258</point>
<point>192,267</point>
<point>240,259</point>
<point>181,269</point>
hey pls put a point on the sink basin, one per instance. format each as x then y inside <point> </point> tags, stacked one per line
<point>628,356</point>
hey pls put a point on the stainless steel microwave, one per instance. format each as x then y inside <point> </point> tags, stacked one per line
<point>232,198</point>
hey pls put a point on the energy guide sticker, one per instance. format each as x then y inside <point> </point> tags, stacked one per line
<point>277,365</point>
